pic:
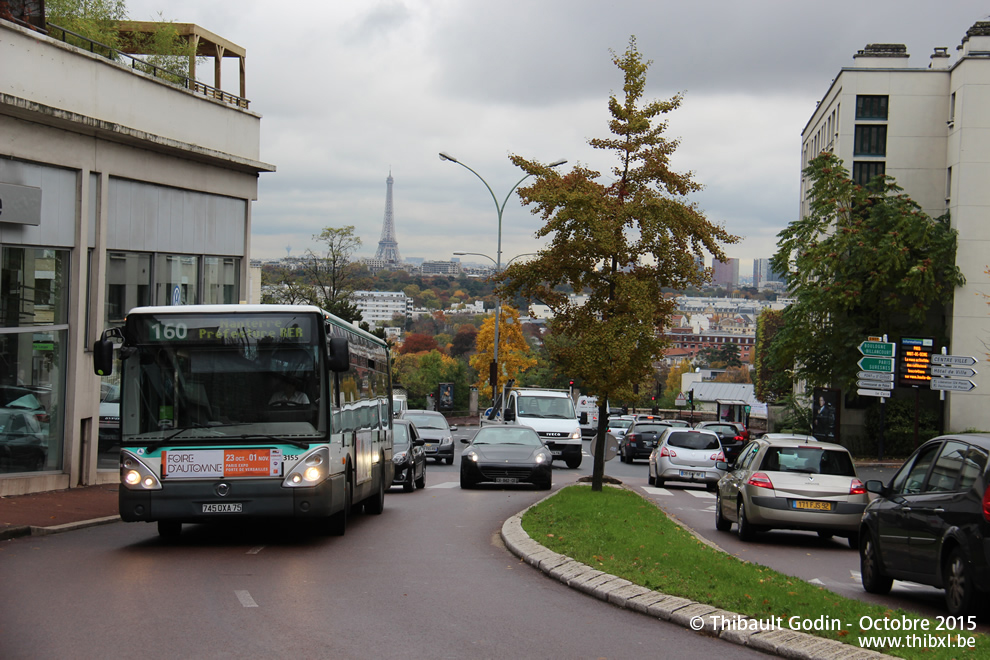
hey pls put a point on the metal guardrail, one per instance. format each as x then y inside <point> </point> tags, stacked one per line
<point>137,63</point>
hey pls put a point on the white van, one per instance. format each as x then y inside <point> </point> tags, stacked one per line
<point>399,403</point>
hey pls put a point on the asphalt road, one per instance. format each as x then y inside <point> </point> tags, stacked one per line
<point>427,578</point>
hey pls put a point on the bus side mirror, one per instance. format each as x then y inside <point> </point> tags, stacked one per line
<point>340,358</point>
<point>103,357</point>
<point>584,418</point>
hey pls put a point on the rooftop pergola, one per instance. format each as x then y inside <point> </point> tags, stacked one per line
<point>206,44</point>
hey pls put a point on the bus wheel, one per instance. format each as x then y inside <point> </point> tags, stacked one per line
<point>338,521</point>
<point>573,462</point>
<point>169,529</point>
<point>376,504</point>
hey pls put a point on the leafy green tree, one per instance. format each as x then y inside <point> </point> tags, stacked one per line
<point>770,381</point>
<point>421,373</point>
<point>718,356</point>
<point>93,19</point>
<point>866,261</point>
<point>332,271</point>
<point>620,240</point>
<point>673,387</point>
<point>280,284</point>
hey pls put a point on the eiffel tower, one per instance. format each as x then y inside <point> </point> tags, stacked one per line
<point>388,247</point>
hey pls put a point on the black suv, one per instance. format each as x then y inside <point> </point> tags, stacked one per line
<point>931,523</point>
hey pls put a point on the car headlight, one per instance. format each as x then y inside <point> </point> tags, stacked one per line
<point>471,455</point>
<point>541,458</point>
<point>399,458</point>
<point>576,434</point>
<point>449,440</point>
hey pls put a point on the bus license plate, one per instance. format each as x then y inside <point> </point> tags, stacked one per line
<point>556,452</point>
<point>506,480</point>
<point>234,507</point>
<point>814,506</point>
<point>692,475</point>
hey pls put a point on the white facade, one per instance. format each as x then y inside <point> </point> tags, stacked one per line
<point>937,147</point>
<point>137,191</point>
<point>380,307</point>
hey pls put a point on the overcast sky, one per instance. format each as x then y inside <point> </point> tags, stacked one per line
<point>350,91</point>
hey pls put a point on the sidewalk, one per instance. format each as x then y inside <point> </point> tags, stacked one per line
<point>57,510</point>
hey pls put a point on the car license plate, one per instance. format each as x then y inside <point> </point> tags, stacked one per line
<point>431,449</point>
<point>691,475</point>
<point>234,507</point>
<point>556,452</point>
<point>814,506</point>
<point>506,480</point>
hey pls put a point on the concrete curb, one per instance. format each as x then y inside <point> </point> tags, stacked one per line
<point>32,530</point>
<point>699,617</point>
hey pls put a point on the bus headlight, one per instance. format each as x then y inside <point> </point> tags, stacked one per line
<point>576,434</point>
<point>136,475</point>
<point>310,470</point>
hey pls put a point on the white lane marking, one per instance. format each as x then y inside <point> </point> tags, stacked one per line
<point>446,484</point>
<point>656,491</point>
<point>703,494</point>
<point>245,598</point>
<point>256,550</point>
<point>816,581</point>
<point>897,583</point>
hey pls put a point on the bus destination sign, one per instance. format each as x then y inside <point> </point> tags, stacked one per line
<point>169,328</point>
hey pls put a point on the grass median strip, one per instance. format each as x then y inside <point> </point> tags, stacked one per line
<point>619,532</point>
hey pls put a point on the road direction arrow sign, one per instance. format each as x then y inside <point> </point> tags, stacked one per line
<point>952,384</point>
<point>876,364</point>
<point>878,348</point>
<point>880,393</point>
<point>954,360</point>
<point>954,372</point>
<point>875,375</point>
<point>875,384</point>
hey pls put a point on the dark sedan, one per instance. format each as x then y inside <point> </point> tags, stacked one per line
<point>731,437</point>
<point>931,523</point>
<point>640,439</point>
<point>408,456</point>
<point>506,454</point>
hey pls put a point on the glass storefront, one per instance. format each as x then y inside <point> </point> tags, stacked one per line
<point>33,307</point>
<point>175,279</point>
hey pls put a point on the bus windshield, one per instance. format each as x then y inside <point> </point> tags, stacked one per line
<point>196,379</point>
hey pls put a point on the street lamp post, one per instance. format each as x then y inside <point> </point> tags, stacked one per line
<point>499,208</point>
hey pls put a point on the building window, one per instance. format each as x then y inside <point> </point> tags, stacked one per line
<point>176,279</point>
<point>33,294</point>
<point>221,277</point>
<point>871,107</point>
<point>128,284</point>
<point>870,140</point>
<point>864,171</point>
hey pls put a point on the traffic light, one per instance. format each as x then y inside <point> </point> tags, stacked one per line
<point>492,374</point>
<point>690,397</point>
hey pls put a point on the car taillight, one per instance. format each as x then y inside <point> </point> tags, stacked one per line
<point>667,452</point>
<point>760,480</point>
<point>986,504</point>
<point>719,456</point>
<point>738,438</point>
<point>857,488</point>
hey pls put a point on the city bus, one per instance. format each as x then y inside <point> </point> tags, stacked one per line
<point>249,411</point>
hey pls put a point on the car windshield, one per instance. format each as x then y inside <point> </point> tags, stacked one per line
<point>400,437</point>
<point>428,421</point>
<point>619,423</point>
<point>547,407</point>
<point>812,460</point>
<point>507,436</point>
<point>693,440</point>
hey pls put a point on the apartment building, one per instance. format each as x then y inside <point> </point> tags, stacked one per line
<point>926,124</point>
